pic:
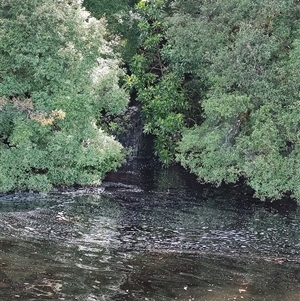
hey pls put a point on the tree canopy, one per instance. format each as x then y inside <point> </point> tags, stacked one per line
<point>218,82</point>
<point>233,66</point>
<point>58,74</point>
<point>121,20</point>
<point>251,126</point>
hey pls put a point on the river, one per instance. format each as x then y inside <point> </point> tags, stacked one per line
<point>149,234</point>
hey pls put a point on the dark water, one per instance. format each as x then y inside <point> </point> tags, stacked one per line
<point>157,236</point>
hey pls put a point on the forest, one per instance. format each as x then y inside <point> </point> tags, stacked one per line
<point>218,83</point>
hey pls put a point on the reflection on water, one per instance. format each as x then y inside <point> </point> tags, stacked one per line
<point>172,241</point>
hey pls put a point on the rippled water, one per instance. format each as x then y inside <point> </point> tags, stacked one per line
<point>166,238</point>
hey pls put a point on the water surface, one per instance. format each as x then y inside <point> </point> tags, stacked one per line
<point>165,237</point>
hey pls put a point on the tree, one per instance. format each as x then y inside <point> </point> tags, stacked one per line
<point>218,83</point>
<point>251,107</point>
<point>159,91</point>
<point>122,21</point>
<point>58,74</point>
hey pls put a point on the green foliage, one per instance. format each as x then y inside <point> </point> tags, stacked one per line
<point>159,90</point>
<point>122,21</point>
<point>163,108</point>
<point>57,73</point>
<point>251,105</point>
<point>218,82</point>
<point>224,76</point>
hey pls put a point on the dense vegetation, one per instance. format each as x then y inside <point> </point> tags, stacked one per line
<point>218,82</point>
<point>58,75</point>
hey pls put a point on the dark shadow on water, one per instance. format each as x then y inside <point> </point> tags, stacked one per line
<point>150,176</point>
